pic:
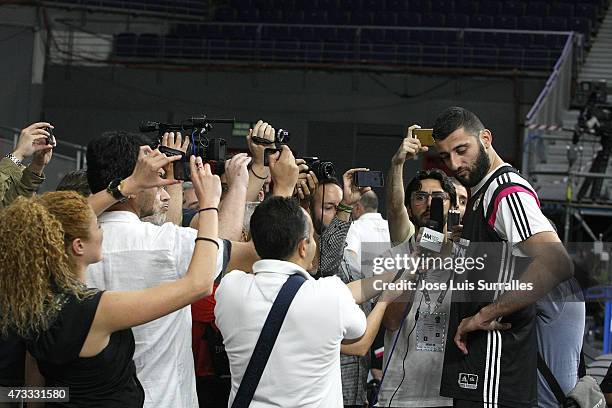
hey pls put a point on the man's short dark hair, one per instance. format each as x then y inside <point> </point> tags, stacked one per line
<point>112,155</point>
<point>278,224</point>
<point>75,180</point>
<point>433,174</point>
<point>454,118</point>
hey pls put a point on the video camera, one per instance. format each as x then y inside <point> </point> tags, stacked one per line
<point>211,150</point>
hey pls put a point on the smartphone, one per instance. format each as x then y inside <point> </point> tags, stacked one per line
<point>453,219</point>
<point>369,179</point>
<point>425,136</point>
<point>180,167</point>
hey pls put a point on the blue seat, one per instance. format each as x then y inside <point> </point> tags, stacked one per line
<point>287,51</point>
<point>490,8</point>
<point>293,16</point>
<point>538,8</point>
<point>500,39</point>
<point>419,6</point>
<point>555,24</point>
<point>422,36</point>
<point>247,15</point>
<point>372,5</point>
<point>373,35</point>
<point>457,20</point>
<point>339,17</point>
<point>172,46</point>
<point>362,18</point>
<point>224,14</point>
<point>193,48</point>
<point>396,5</point>
<point>587,11</point>
<point>468,7</point>
<point>443,6</point>
<point>410,54</point>
<point>396,36</point>
<point>581,25</point>
<point>148,45</point>
<point>473,37</point>
<point>562,9</point>
<point>529,23</point>
<point>433,20</point>
<point>270,16</point>
<point>385,18</point>
<point>481,21</point>
<point>315,17</point>
<point>509,58</point>
<point>125,44</point>
<point>538,59</point>
<point>325,34</point>
<point>484,57</point>
<point>514,8</point>
<point>409,19</point>
<point>383,53</point>
<point>217,49</point>
<point>346,35</point>
<point>506,22</point>
<point>434,55</point>
<point>242,49</point>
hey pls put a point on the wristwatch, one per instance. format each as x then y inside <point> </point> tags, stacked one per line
<point>114,189</point>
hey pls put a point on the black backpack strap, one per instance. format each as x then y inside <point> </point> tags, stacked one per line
<point>266,340</point>
<point>551,380</point>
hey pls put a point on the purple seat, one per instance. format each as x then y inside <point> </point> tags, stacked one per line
<point>371,5</point>
<point>361,18</point>
<point>339,17</point>
<point>419,6</point>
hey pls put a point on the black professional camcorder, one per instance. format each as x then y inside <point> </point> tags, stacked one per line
<point>211,150</point>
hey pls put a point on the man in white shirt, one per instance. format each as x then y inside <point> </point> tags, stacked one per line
<point>304,366</point>
<point>369,227</point>
<point>139,255</point>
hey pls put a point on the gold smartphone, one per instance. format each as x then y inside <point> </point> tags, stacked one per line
<point>425,136</point>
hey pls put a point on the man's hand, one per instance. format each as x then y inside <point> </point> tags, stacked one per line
<point>40,159</point>
<point>474,323</point>
<point>410,147</point>
<point>147,172</point>
<point>237,172</point>
<point>307,181</point>
<point>174,142</point>
<point>351,194</point>
<point>207,186</point>
<point>32,139</point>
<point>265,131</point>
<point>284,172</point>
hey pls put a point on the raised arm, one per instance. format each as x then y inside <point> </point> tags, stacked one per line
<point>400,226</point>
<point>362,346</point>
<point>231,209</point>
<point>123,309</point>
<point>146,174</point>
<point>258,173</point>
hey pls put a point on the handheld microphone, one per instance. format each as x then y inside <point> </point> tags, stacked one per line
<point>432,236</point>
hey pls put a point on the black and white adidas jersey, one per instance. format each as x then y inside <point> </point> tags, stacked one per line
<point>501,366</point>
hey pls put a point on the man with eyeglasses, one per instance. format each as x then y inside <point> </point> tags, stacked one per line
<point>414,371</point>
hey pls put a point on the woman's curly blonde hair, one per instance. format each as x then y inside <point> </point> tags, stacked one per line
<point>34,267</point>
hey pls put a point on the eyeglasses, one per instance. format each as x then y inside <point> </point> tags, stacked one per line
<point>421,197</point>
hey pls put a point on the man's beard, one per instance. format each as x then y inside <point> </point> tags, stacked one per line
<point>158,219</point>
<point>480,170</point>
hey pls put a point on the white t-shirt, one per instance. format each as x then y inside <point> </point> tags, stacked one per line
<point>367,238</point>
<point>139,255</point>
<point>304,366</point>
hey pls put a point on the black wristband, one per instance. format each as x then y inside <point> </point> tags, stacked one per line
<point>208,240</point>
<point>255,174</point>
<point>207,209</point>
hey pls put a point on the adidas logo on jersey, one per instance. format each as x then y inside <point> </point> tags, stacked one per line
<point>468,381</point>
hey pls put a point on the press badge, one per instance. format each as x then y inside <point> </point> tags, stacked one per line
<point>431,331</point>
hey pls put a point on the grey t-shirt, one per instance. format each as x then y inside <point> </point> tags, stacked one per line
<point>423,369</point>
<point>560,326</point>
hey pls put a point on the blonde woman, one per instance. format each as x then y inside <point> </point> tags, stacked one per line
<point>81,337</point>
